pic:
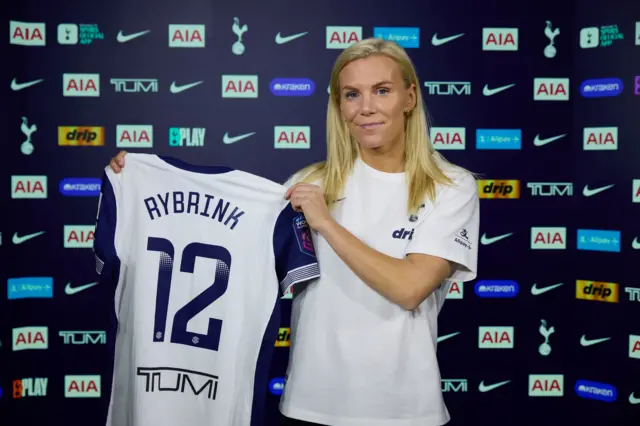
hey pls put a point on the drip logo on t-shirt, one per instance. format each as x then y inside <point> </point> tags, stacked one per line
<point>402,234</point>
<point>301,228</point>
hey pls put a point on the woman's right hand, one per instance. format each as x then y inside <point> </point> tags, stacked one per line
<point>117,162</point>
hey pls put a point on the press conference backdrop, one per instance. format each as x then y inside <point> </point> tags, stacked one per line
<point>540,97</point>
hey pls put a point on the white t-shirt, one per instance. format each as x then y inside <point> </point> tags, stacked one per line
<point>356,358</point>
<point>195,258</point>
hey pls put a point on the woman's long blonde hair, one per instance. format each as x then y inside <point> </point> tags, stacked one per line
<point>421,160</point>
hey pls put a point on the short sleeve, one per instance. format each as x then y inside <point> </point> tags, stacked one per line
<point>450,230</point>
<point>293,249</point>
<point>104,247</point>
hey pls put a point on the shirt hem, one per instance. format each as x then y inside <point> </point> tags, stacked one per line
<point>309,416</point>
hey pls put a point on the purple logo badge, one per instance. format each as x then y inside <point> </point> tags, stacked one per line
<point>637,91</point>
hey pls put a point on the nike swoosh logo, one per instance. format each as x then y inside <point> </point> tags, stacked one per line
<point>635,244</point>
<point>19,240</point>
<point>485,388</point>
<point>633,399</point>
<point>589,192</point>
<point>585,342</point>
<point>541,142</point>
<point>15,86</point>
<point>177,89</point>
<point>227,139</point>
<point>535,290</point>
<point>448,336</point>
<point>282,40</point>
<point>484,240</point>
<point>73,290</point>
<point>440,41</point>
<point>125,38</point>
<point>490,92</point>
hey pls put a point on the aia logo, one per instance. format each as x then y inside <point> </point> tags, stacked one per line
<point>550,89</point>
<point>292,137</point>
<point>27,33</point>
<point>343,37</point>
<point>600,139</point>
<point>500,39</point>
<point>546,385</point>
<point>134,136</point>
<point>79,236</point>
<point>28,186</point>
<point>81,85</point>
<point>83,386</point>
<point>548,238</point>
<point>448,138</point>
<point>634,346</point>
<point>456,291</point>
<point>240,86</point>
<point>30,338</point>
<point>495,337</point>
<point>186,36</point>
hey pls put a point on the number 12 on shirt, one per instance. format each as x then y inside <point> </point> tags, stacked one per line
<point>179,333</point>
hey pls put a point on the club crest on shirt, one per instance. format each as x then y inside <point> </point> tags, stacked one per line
<point>303,235</point>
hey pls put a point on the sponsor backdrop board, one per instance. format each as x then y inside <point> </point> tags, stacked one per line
<point>540,98</point>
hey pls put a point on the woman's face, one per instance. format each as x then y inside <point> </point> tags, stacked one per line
<point>373,101</point>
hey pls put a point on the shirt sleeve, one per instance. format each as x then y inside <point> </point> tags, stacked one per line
<point>450,230</point>
<point>293,248</point>
<point>104,243</point>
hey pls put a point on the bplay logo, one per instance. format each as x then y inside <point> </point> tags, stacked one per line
<point>407,37</point>
<point>30,288</point>
<point>80,187</point>
<point>292,137</point>
<point>497,289</point>
<point>240,86</point>
<point>499,139</point>
<point>600,139</point>
<point>550,89</point>
<point>27,33</point>
<point>594,390</point>
<point>292,87</point>
<point>597,291</point>
<point>30,187</point>
<point>500,39</point>
<point>342,37</point>
<point>548,238</point>
<point>186,35</point>
<point>499,189</point>
<point>448,138</point>
<point>495,337</point>
<point>30,386</point>
<point>81,85</point>
<point>601,87</point>
<point>599,240</point>
<point>184,136</point>
<point>134,136</point>
<point>276,386</point>
<point>80,136</point>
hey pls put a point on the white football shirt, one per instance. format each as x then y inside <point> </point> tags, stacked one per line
<point>196,257</point>
<point>356,358</point>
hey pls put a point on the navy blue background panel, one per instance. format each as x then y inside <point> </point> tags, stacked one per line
<point>539,98</point>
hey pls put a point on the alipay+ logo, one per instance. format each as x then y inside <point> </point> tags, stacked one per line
<point>498,139</point>
<point>598,240</point>
<point>409,38</point>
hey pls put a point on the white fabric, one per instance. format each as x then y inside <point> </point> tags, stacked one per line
<point>356,358</point>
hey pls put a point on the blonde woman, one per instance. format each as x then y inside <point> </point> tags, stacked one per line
<point>394,223</point>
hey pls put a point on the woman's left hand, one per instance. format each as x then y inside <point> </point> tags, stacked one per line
<point>309,199</point>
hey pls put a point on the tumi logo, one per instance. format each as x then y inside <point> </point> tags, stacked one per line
<point>601,87</point>
<point>402,234</point>
<point>499,189</point>
<point>284,338</point>
<point>546,385</point>
<point>548,238</point>
<point>80,136</point>
<point>454,385</point>
<point>495,337</point>
<point>448,138</point>
<point>291,137</point>
<point>240,86</point>
<point>25,338</point>
<point>134,136</point>
<point>31,187</point>
<point>550,189</point>
<point>600,139</point>
<point>31,386</point>
<point>342,37</point>
<point>500,39</point>
<point>597,291</point>
<point>186,35</point>
<point>550,89</point>
<point>82,386</point>
<point>27,33</point>
<point>79,236</point>
<point>81,85</point>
